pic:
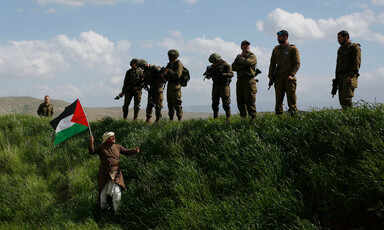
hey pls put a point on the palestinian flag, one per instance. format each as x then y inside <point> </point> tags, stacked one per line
<point>70,122</point>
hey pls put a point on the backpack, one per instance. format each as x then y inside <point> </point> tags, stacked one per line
<point>185,77</point>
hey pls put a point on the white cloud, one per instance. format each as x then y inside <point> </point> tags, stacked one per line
<point>378,2</point>
<point>190,1</point>
<point>47,59</point>
<point>301,28</point>
<point>23,59</point>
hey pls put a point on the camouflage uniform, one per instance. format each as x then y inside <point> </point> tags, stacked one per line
<point>174,90</point>
<point>45,110</point>
<point>221,74</point>
<point>348,65</point>
<point>133,78</point>
<point>154,83</point>
<point>289,66</point>
<point>246,84</point>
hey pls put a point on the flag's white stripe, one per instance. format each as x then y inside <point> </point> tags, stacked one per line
<point>65,123</point>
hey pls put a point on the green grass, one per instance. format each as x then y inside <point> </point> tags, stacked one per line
<point>321,169</point>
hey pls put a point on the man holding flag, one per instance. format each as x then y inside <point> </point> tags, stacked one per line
<point>110,179</point>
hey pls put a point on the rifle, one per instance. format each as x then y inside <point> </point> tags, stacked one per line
<point>207,73</point>
<point>335,83</point>
<point>272,79</point>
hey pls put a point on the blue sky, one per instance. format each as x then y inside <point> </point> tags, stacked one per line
<point>72,49</point>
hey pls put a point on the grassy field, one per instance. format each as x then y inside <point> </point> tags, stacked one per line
<point>320,170</point>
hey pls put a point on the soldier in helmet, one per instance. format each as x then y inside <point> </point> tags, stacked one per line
<point>172,74</point>
<point>347,68</point>
<point>133,84</point>
<point>284,64</point>
<point>221,74</point>
<point>153,82</point>
<point>245,66</point>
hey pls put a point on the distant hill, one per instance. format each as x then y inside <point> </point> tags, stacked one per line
<point>29,105</point>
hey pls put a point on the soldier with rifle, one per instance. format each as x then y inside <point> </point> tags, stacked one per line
<point>221,74</point>
<point>172,73</point>
<point>284,64</point>
<point>133,84</point>
<point>347,69</point>
<point>153,83</point>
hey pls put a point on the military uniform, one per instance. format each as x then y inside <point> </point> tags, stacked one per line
<point>154,83</point>
<point>348,65</point>
<point>45,110</point>
<point>221,75</point>
<point>133,78</point>
<point>246,84</point>
<point>174,90</point>
<point>288,66</point>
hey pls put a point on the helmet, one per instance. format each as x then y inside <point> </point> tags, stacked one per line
<point>133,61</point>
<point>215,57</point>
<point>173,53</point>
<point>141,63</point>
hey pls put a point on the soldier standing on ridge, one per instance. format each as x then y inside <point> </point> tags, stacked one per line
<point>46,108</point>
<point>347,68</point>
<point>284,64</point>
<point>221,73</point>
<point>172,74</point>
<point>110,180</point>
<point>245,66</point>
<point>133,84</point>
<point>153,82</point>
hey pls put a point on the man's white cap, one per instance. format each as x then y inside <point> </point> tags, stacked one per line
<point>107,135</point>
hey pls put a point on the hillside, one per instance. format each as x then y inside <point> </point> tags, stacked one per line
<point>29,105</point>
<point>320,170</point>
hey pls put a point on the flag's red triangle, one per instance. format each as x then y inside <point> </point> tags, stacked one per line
<point>79,115</point>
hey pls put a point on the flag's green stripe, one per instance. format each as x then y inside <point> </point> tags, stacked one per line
<point>69,132</point>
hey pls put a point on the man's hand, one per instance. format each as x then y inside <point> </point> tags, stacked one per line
<point>290,78</point>
<point>91,140</point>
<point>137,149</point>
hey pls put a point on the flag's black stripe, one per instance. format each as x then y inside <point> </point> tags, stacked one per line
<point>70,109</point>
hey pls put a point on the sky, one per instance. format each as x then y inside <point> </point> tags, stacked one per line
<point>72,49</point>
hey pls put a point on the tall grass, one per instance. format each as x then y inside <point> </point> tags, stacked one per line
<point>322,169</point>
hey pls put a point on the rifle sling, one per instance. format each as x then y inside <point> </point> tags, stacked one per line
<point>281,58</point>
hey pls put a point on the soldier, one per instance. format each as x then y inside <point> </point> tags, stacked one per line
<point>347,68</point>
<point>46,108</point>
<point>153,82</point>
<point>110,180</point>
<point>284,64</point>
<point>172,74</point>
<point>133,84</point>
<point>245,66</point>
<point>221,73</point>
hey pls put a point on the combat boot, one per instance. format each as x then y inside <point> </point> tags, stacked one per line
<point>157,119</point>
<point>215,114</point>
<point>148,121</point>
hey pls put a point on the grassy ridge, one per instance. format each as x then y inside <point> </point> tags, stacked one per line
<point>321,169</point>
